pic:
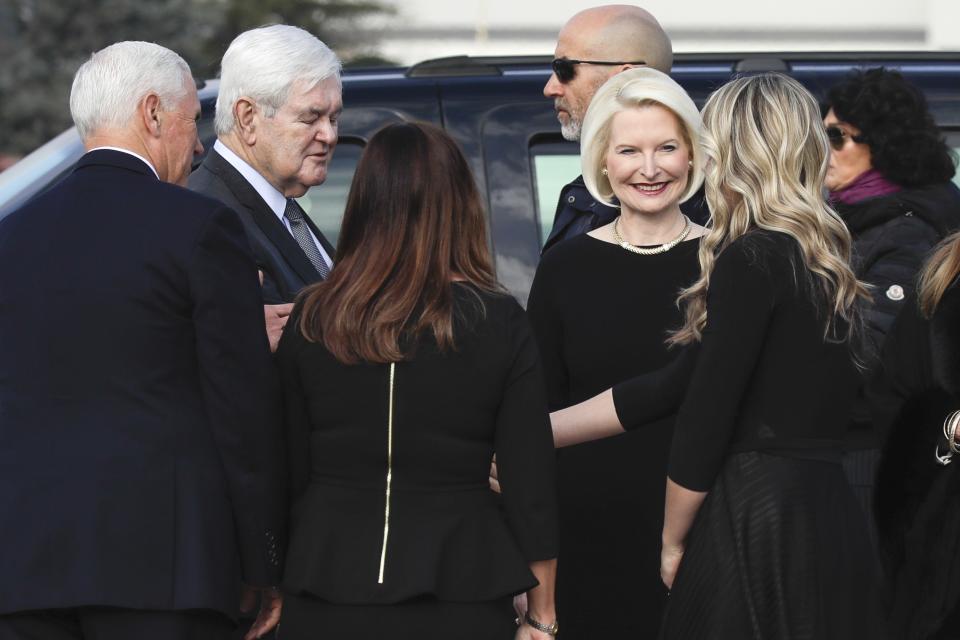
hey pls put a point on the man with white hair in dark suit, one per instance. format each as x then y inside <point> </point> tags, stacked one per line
<point>138,401</point>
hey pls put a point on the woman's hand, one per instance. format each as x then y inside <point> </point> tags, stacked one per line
<point>670,557</point>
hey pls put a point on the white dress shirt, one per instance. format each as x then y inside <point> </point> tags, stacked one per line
<point>274,199</point>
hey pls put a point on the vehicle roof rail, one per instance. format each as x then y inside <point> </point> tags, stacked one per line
<point>472,65</point>
<point>743,62</point>
<point>761,65</point>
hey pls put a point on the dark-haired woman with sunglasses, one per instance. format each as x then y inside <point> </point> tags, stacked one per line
<point>889,179</point>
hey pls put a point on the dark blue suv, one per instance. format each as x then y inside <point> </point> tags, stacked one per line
<point>495,109</point>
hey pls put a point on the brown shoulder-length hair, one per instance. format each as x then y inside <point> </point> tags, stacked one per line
<point>414,224</point>
<point>941,269</point>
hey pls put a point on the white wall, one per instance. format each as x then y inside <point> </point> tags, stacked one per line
<point>433,28</point>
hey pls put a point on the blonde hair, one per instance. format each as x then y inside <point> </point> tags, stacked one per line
<point>939,273</point>
<point>767,152</point>
<point>632,89</point>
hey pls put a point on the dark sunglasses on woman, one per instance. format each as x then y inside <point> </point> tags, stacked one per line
<point>837,137</point>
<point>566,69</point>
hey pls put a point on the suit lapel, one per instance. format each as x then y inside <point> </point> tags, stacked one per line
<point>263,216</point>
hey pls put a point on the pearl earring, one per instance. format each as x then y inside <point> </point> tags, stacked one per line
<point>603,171</point>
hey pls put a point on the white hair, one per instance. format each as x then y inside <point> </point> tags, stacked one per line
<point>630,89</point>
<point>263,64</point>
<point>109,86</point>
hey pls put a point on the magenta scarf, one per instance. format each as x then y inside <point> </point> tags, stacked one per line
<point>869,184</point>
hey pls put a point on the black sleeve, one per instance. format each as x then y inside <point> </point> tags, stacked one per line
<point>240,390</point>
<point>524,446</point>
<point>296,419</point>
<point>655,395</point>
<point>547,322</point>
<point>903,370</point>
<point>740,302</point>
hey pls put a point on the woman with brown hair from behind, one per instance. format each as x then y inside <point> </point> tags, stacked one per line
<point>403,373</point>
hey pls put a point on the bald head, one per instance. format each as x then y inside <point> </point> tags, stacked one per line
<point>620,32</point>
<point>612,33</point>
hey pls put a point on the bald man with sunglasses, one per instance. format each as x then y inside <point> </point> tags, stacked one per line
<point>594,45</point>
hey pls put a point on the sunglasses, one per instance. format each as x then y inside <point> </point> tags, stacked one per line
<point>566,69</point>
<point>838,136</point>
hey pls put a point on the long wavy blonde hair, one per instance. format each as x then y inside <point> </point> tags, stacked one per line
<point>767,152</point>
<point>939,273</point>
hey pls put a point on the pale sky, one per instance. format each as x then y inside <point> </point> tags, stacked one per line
<point>433,28</point>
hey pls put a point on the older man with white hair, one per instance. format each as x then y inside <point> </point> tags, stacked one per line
<point>137,402</point>
<point>277,113</point>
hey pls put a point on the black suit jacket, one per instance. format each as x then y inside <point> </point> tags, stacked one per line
<point>286,268</point>
<point>138,399</point>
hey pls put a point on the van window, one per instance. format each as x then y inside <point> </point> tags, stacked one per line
<point>554,165</point>
<point>325,203</point>
<point>953,140</point>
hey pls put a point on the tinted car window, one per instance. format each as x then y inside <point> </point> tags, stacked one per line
<point>554,164</point>
<point>953,139</point>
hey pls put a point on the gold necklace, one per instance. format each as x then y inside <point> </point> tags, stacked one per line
<point>653,250</point>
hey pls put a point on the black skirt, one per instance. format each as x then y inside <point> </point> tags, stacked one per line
<point>779,549</point>
<point>307,618</point>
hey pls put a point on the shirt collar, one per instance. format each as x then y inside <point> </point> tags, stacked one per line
<point>131,153</point>
<point>274,199</point>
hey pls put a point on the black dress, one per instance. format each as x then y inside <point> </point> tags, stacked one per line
<point>778,548</point>
<point>917,386</point>
<point>439,539</point>
<point>601,315</point>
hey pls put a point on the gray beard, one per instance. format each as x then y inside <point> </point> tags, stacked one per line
<point>571,130</point>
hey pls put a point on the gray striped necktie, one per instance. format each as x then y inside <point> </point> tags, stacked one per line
<point>301,233</point>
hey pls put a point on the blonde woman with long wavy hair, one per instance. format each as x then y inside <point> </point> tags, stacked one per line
<point>762,537</point>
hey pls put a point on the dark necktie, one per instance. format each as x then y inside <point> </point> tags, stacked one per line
<point>301,233</point>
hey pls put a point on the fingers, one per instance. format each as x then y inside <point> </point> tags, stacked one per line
<point>275,317</point>
<point>520,605</point>
<point>282,310</point>
<point>271,606</point>
<point>494,478</point>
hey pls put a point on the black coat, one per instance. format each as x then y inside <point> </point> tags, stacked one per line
<point>892,236</point>
<point>138,399</point>
<point>286,268</point>
<point>916,387</point>
<point>442,415</point>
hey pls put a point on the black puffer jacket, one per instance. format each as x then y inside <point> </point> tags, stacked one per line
<point>892,236</point>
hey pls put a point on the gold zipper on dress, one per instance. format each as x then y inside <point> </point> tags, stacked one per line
<point>386,514</point>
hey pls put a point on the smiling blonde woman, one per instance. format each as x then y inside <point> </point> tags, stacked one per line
<point>601,305</point>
